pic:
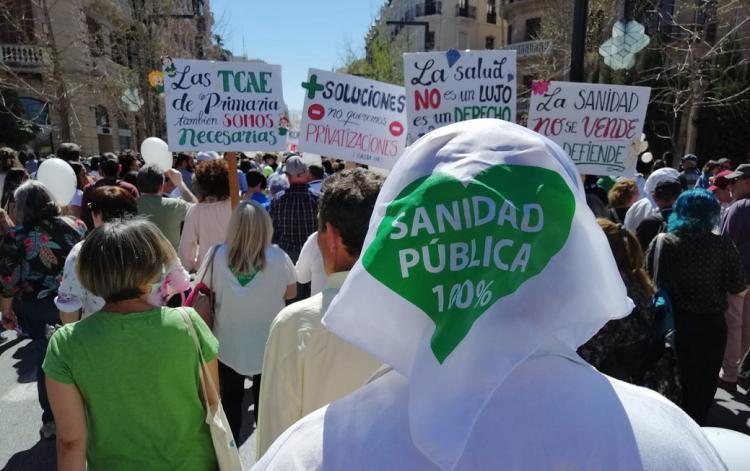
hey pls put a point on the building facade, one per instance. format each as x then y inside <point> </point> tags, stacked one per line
<point>80,67</point>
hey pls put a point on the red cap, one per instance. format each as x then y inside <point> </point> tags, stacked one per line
<point>720,181</point>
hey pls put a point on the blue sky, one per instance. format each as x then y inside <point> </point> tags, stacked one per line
<point>296,34</point>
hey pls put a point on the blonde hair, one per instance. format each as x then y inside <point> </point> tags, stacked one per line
<point>248,236</point>
<point>121,257</point>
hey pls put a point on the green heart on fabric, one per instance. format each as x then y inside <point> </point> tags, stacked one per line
<point>453,249</point>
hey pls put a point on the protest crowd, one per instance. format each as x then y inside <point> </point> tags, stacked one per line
<point>152,299</point>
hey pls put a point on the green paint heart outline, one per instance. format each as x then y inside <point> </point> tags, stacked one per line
<point>391,254</point>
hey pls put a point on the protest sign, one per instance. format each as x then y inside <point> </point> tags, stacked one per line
<point>224,106</point>
<point>599,126</point>
<point>353,118</point>
<point>452,86</point>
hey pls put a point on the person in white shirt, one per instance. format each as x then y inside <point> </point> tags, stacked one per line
<point>250,279</point>
<point>493,383</point>
<point>306,366</point>
<point>309,265</point>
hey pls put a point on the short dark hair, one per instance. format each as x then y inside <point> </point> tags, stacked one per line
<point>328,166</point>
<point>150,179</point>
<point>346,202</point>
<point>69,151</point>
<point>13,179</point>
<point>212,177</point>
<point>78,169</point>
<point>255,178</point>
<point>26,154</point>
<point>316,171</point>
<point>126,159</point>
<point>112,202</point>
<point>109,166</point>
<point>182,157</point>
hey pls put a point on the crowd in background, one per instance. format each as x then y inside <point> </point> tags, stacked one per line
<point>135,238</point>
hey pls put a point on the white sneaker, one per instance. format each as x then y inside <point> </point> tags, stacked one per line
<point>48,430</point>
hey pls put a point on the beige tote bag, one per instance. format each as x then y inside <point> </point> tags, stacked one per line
<point>227,454</point>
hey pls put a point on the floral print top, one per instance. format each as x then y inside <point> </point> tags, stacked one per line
<point>32,257</point>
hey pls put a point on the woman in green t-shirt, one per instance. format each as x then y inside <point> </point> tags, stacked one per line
<point>124,383</point>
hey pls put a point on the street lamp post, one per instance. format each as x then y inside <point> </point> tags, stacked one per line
<point>578,45</point>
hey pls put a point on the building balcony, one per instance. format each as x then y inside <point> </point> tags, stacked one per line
<point>531,48</point>
<point>467,11</point>
<point>429,8</point>
<point>21,56</point>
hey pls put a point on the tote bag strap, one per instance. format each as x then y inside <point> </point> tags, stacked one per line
<point>205,376</point>
<point>657,257</point>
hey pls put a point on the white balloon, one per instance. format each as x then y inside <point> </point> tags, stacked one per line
<point>156,152</point>
<point>733,447</point>
<point>647,157</point>
<point>59,178</point>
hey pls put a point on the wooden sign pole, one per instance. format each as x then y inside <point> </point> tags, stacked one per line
<point>234,184</point>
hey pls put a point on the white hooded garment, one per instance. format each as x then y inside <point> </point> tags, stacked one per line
<point>486,377</point>
<point>646,206</point>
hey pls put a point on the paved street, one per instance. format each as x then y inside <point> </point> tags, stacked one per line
<point>22,449</point>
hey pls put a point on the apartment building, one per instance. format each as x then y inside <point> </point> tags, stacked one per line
<point>97,53</point>
<point>462,24</point>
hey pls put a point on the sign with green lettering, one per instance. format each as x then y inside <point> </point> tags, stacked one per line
<point>454,248</point>
<point>224,106</point>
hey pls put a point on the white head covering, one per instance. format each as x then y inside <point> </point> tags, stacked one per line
<point>468,187</point>
<point>657,177</point>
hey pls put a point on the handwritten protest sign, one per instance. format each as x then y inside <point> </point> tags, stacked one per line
<point>599,126</point>
<point>224,106</point>
<point>453,86</point>
<point>353,118</point>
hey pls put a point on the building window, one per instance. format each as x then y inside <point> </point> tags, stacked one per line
<point>463,40</point>
<point>465,10</point>
<point>17,23</point>
<point>35,110</point>
<point>102,116</point>
<point>533,27</point>
<point>510,34</point>
<point>489,42</point>
<point>433,8</point>
<point>491,12</point>
<point>96,39</point>
<point>429,41</point>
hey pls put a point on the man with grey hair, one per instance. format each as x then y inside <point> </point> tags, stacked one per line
<point>295,211</point>
<point>167,213</point>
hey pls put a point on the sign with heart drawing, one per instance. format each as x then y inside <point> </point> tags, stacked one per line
<point>453,248</point>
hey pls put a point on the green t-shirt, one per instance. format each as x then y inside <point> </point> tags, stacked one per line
<point>138,376</point>
<point>167,213</point>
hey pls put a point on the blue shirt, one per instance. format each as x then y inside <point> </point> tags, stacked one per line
<point>261,199</point>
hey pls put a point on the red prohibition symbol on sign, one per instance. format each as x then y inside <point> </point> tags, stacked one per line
<point>316,112</point>
<point>396,128</point>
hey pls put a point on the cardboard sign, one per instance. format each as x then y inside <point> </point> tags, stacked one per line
<point>599,126</point>
<point>353,118</point>
<point>452,86</point>
<point>224,106</point>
